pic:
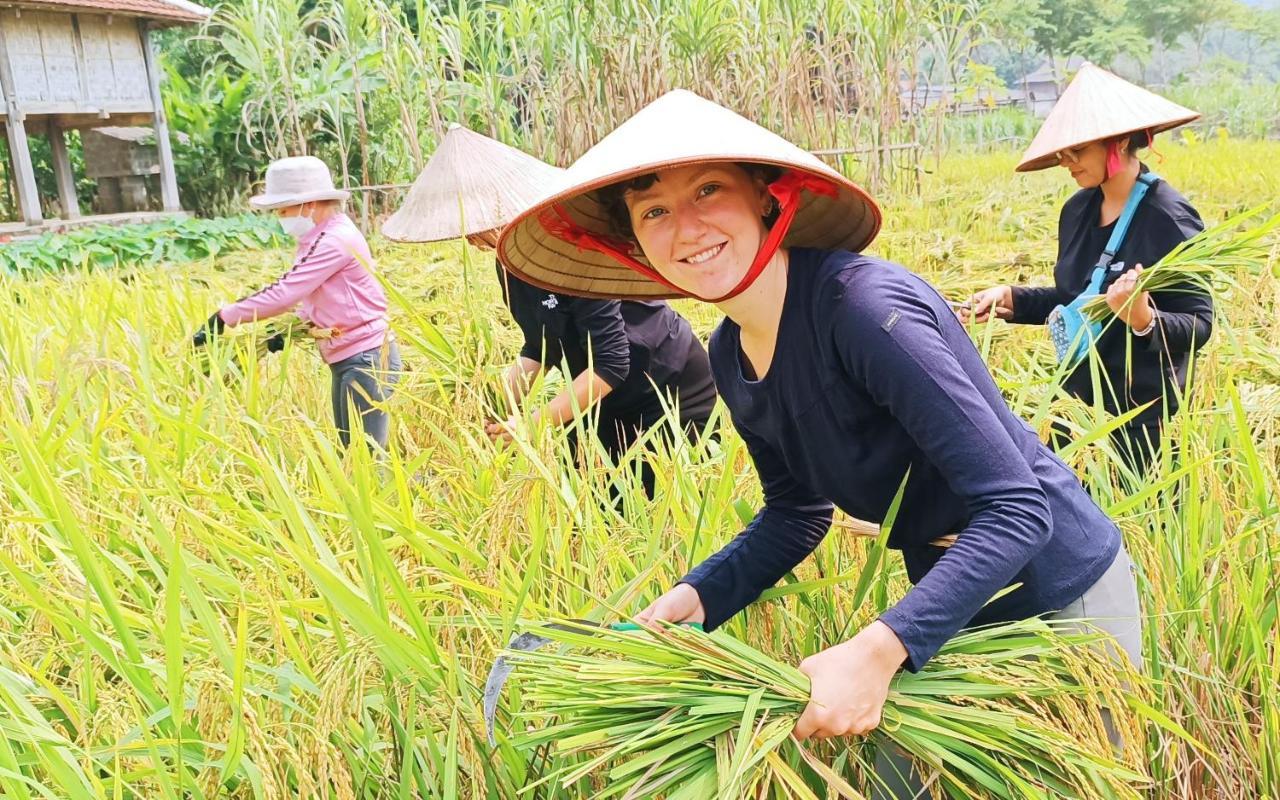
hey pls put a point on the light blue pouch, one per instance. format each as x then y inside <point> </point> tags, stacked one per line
<point>1073,333</point>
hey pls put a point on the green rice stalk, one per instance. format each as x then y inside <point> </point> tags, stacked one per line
<point>1008,711</point>
<point>294,329</point>
<point>1209,261</point>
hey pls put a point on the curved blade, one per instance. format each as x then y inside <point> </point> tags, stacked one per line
<point>501,670</point>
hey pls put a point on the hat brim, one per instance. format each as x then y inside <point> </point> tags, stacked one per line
<point>1036,163</point>
<point>848,221</point>
<point>265,202</point>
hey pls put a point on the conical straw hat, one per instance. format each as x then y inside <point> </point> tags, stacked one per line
<point>470,185</point>
<point>677,129</point>
<point>1099,105</point>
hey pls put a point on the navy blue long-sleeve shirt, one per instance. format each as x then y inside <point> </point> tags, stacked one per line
<point>872,375</point>
<point>1137,369</point>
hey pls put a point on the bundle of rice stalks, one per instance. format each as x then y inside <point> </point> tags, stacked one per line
<point>1012,711</point>
<point>291,330</point>
<point>1209,261</point>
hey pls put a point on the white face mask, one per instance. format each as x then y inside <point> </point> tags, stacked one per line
<point>298,226</point>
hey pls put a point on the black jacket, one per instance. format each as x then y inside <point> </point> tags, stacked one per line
<point>1135,369</point>
<point>631,345</point>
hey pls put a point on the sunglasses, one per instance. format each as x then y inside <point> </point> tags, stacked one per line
<point>1070,155</point>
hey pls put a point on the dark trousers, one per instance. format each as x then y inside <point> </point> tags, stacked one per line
<point>1139,445</point>
<point>364,382</point>
<point>617,436</point>
<point>695,397</point>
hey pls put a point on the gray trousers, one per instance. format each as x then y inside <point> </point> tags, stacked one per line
<point>1110,604</point>
<point>364,382</point>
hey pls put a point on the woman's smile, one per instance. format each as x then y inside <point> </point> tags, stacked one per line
<point>703,256</point>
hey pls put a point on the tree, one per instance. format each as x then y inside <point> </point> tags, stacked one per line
<point>1207,14</point>
<point>1165,21</point>
<point>1261,30</point>
<point>1012,24</point>
<point>1096,29</point>
<point>1107,43</point>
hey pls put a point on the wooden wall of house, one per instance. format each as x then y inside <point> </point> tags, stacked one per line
<point>77,66</point>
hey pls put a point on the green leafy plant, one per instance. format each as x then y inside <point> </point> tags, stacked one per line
<point>169,240</point>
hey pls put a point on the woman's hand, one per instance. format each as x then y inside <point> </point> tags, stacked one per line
<point>997,300</point>
<point>214,327</point>
<point>501,431</point>
<point>1136,312</point>
<point>849,683</point>
<point>680,604</point>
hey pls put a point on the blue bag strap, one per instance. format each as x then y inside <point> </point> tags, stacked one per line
<point>1145,181</point>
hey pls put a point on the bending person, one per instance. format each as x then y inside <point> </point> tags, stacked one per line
<point>332,285</point>
<point>844,374</point>
<point>1094,132</point>
<point>624,359</point>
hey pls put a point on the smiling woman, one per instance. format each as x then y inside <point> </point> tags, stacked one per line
<point>849,378</point>
<point>642,207</point>
<point>627,361</point>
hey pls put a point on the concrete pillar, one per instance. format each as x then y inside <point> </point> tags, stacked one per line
<point>24,173</point>
<point>168,175</point>
<point>133,193</point>
<point>62,172</point>
<point>109,201</point>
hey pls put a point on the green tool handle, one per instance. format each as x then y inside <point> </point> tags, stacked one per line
<point>635,626</point>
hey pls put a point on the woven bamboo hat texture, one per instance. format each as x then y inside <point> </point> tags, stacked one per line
<point>470,185</point>
<point>678,129</point>
<point>1100,105</point>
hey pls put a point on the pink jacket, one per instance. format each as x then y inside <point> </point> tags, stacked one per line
<point>331,277</point>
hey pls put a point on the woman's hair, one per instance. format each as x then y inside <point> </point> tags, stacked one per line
<point>614,196</point>
<point>1139,140</point>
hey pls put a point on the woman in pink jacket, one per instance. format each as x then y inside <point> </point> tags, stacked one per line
<point>332,283</point>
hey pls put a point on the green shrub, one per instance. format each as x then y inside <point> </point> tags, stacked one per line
<point>170,240</point>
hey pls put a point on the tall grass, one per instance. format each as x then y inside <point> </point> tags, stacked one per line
<point>201,596</point>
<point>372,86</point>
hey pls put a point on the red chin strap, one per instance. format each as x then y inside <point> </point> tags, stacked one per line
<point>1151,145</point>
<point>1114,164</point>
<point>786,190</point>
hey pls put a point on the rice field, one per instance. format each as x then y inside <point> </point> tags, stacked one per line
<point>201,596</point>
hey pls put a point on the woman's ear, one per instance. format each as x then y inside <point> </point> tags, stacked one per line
<point>767,201</point>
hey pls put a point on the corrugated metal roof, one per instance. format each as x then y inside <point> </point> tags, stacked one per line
<point>167,10</point>
<point>136,134</point>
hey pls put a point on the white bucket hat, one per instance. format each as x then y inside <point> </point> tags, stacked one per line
<point>1099,105</point>
<point>296,180</point>
<point>582,255</point>
<point>471,184</point>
